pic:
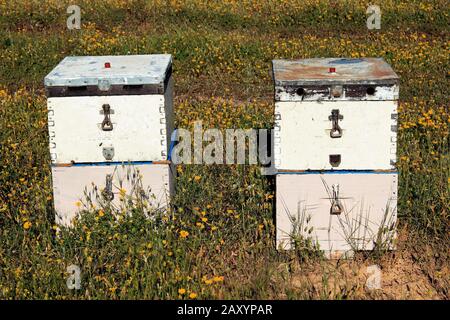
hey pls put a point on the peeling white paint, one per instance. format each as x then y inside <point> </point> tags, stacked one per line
<point>89,70</point>
<point>71,183</point>
<point>369,201</point>
<point>304,136</point>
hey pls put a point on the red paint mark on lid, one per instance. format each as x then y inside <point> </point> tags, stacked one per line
<point>107,65</point>
<point>332,70</point>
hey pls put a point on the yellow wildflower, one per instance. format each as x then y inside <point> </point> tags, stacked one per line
<point>184,234</point>
<point>193,295</point>
<point>27,225</point>
<point>200,225</point>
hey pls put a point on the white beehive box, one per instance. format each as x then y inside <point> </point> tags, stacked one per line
<point>133,93</point>
<point>77,188</point>
<point>335,114</point>
<point>110,120</point>
<point>335,153</point>
<point>368,203</point>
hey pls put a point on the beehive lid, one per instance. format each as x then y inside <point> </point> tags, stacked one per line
<point>330,71</point>
<point>111,71</point>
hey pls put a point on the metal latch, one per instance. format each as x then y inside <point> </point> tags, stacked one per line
<point>108,153</point>
<point>107,193</point>
<point>335,160</point>
<point>107,111</point>
<point>336,131</point>
<point>336,205</point>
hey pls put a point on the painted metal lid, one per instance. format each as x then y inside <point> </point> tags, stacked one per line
<point>151,69</point>
<point>337,71</point>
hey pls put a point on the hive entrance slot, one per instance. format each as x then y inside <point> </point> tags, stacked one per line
<point>77,88</point>
<point>300,91</point>
<point>133,87</point>
<point>370,91</point>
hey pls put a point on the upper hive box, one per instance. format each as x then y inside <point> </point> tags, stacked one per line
<point>110,108</point>
<point>335,114</point>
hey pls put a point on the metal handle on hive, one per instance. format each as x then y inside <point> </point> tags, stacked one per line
<point>107,193</point>
<point>336,130</point>
<point>107,124</point>
<point>336,205</point>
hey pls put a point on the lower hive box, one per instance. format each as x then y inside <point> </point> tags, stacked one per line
<point>81,187</point>
<point>340,212</point>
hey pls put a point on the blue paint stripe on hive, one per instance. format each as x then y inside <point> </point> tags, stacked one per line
<point>340,172</point>
<point>112,163</point>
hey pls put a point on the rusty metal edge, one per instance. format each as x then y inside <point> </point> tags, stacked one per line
<point>394,80</point>
<point>305,82</point>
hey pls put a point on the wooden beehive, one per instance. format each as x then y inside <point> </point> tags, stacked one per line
<point>107,116</point>
<point>367,203</point>
<point>335,152</point>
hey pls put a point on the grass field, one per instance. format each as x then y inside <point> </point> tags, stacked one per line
<point>218,241</point>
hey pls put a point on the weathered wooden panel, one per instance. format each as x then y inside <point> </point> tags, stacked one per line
<point>104,111</point>
<point>333,71</point>
<point>138,132</point>
<point>110,108</point>
<point>104,71</point>
<point>74,186</point>
<point>367,140</point>
<point>338,211</point>
<point>336,93</point>
<point>334,79</point>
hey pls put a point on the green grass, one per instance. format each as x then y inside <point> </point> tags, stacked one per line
<point>222,55</point>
